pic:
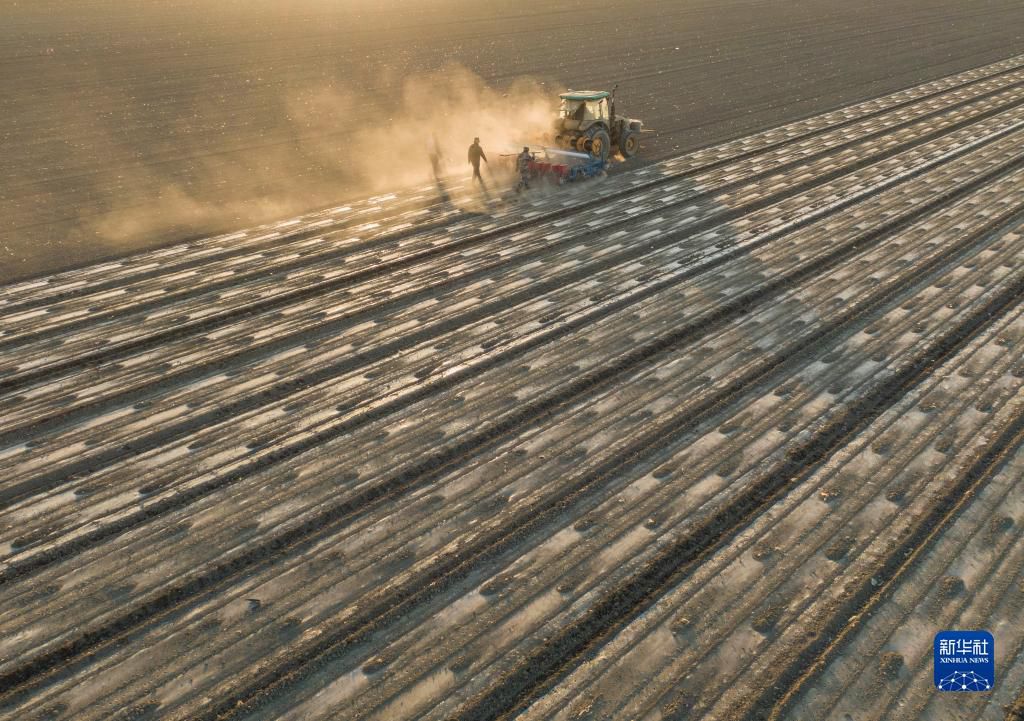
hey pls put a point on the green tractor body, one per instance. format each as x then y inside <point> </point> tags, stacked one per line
<point>587,122</point>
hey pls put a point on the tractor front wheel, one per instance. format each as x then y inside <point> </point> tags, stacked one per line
<point>629,144</point>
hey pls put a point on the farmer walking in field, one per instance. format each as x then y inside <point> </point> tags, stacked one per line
<point>475,154</point>
<point>523,167</point>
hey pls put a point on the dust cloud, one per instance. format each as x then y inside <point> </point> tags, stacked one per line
<point>449,107</point>
<point>343,145</point>
<point>126,128</point>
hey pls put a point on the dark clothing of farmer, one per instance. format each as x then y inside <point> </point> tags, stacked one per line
<point>523,166</point>
<point>475,154</point>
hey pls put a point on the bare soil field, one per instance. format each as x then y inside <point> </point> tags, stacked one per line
<point>126,126</point>
<point>729,435</point>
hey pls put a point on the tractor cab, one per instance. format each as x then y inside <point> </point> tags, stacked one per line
<point>581,110</point>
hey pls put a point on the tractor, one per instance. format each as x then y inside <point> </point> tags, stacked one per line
<point>587,123</point>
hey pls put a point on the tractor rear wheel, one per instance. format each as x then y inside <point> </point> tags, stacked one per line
<point>600,144</point>
<point>629,144</point>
